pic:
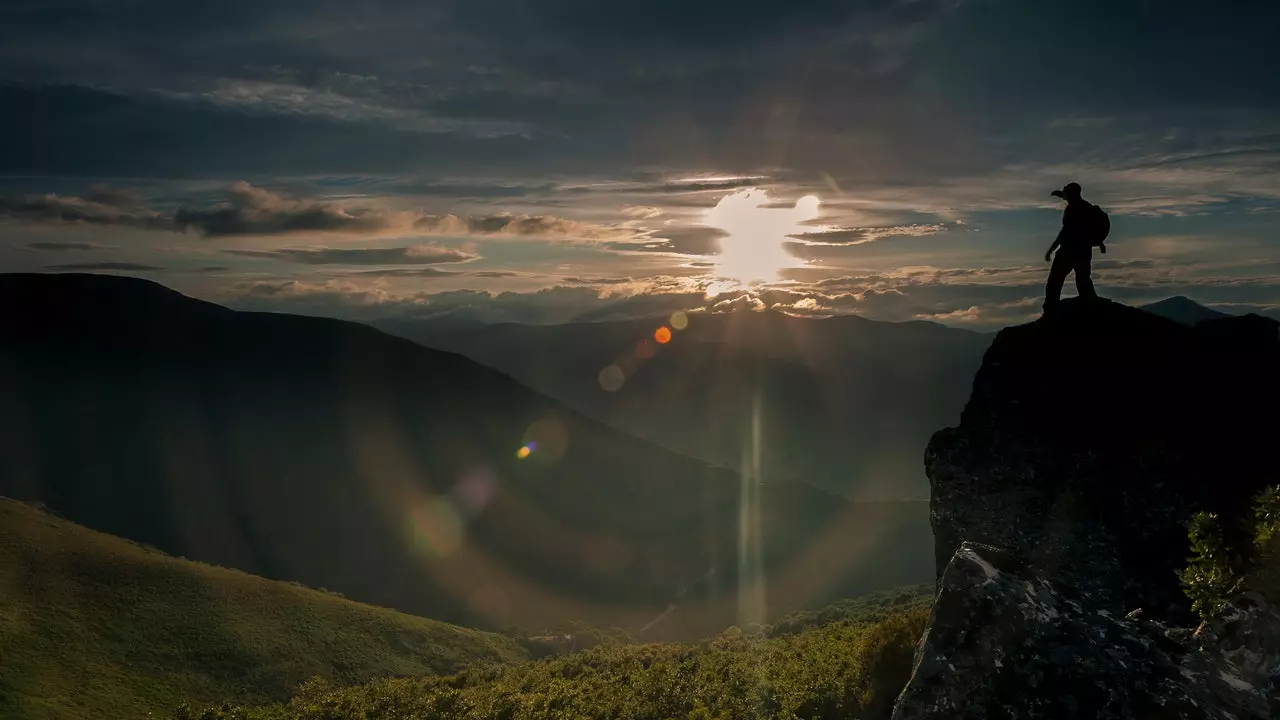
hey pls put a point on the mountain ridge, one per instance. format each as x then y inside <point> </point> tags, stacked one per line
<point>845,402</point>
<point>331,453</point>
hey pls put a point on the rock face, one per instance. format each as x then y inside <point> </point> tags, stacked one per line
<point>1060,504</point>
<point>1092,436</point>
<point>1007,643</point>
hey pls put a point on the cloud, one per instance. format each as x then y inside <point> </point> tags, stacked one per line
<point>507,224</point>
<point>295,99</point>
<point>412,255</point>
<point>250,210</point>
<point>686,241</point>
<point>53,208</point>
<point>642,212</point>
<point>257,211</point>
<point>101,266</point>
<point>858,236</point>
<point>988,316</point>
<point>417,272</point>
<point>62,246</point>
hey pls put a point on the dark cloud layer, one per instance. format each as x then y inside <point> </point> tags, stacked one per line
<point>61,246</point>
<point>863,90</point>
<point>255,211</point>
<point>413,255</point>
<point>252,210</point>
<point>105,267</point>
<point>543,226</point>
<point>58,208</point>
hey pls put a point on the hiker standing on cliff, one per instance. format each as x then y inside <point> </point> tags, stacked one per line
<point>1084,226</point>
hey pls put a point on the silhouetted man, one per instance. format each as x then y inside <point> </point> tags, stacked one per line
<point>1074,245</point>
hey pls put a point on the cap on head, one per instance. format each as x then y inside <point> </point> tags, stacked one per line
<point>1068,191</point>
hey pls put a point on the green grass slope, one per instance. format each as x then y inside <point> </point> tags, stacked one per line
<point>853,665</point>
<point>93,626</point>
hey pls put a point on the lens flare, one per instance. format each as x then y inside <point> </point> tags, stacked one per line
<point>524,452</point>
<point>474,491</point>
<point>679,320</point>
<point>437,528</point>
<point>611,378</point>
<point>549,438</point>
<point>662,335</point>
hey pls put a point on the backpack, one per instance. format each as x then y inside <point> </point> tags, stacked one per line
<point>1099,227</point>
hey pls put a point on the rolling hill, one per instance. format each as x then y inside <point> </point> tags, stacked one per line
<point>93,626</point>
<point>335,455</point>
<point>845,403</point>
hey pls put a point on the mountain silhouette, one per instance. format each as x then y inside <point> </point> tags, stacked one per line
<point>333,454</point>
<point>1182,309</point>
<point>845,402</point>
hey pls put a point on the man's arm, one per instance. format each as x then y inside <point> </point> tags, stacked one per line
<point>1057,242</point>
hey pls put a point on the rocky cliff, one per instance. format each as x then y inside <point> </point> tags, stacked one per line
<point>1059,505</point>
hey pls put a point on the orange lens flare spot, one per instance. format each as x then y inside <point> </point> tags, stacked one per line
<point>524,452</point>
<point>662,335</point>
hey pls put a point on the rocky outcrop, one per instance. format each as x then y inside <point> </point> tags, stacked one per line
<point>1005,642</point>
<point>1092,436</point>
<point>1059,507</point>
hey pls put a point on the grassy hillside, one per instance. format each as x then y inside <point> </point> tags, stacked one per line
<point>95,626</point>
<point>852,667</point>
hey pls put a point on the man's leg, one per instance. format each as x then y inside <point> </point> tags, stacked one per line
<point>1084,278</point>
<point>1057,275</point>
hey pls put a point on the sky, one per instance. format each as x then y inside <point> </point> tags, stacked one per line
<point>553,160</point>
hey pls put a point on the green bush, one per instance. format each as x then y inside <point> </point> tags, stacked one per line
<point>841,670</point>
<point>1264,576</point>
<point>1216,572</point>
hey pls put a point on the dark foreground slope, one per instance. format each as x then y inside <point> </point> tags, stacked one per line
<point>92,626</point>
<point>845,403</point>
<point>1060,504</point>
<point>330,453</point>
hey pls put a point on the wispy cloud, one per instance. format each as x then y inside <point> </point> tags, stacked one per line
<point>257,211</point>
<point>412,255</point>
<point>294,99</point>
<point>62,246</point>
<point>105,266</point>
<point>507,224</point>
<point>250,210</point>
<point>51,207</point>
<point>859,236</point>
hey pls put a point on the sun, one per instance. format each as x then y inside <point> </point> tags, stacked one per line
<point>754,247</point>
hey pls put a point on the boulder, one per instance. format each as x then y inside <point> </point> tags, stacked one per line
<point>1005,641</point>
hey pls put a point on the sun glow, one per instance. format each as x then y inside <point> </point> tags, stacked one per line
<point>754,250</point>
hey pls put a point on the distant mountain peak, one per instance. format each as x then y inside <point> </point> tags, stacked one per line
<point>1183,309</point>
